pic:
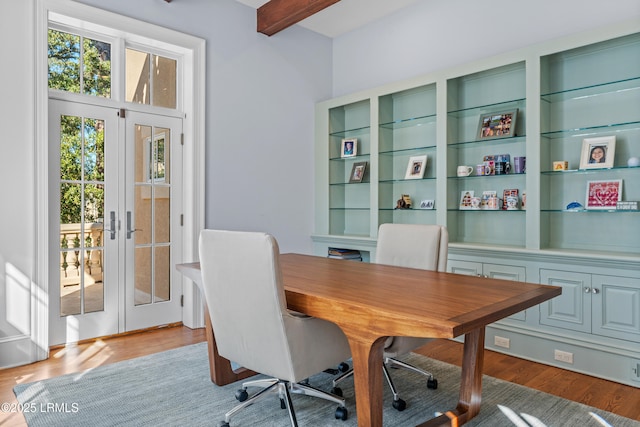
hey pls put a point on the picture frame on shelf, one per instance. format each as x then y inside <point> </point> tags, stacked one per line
<point>603,195</point>
<point>349,147</point>
<point>598,153</point>
<point>357,172</point>
<point>498,125</point>
<point>416,167</point>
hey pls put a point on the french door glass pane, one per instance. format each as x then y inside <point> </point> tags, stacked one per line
<point>81,215</point>
<point>162,274</point>
<point>143,276</point>
<point>152,207</point>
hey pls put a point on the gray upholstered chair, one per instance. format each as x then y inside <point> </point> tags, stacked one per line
<point>413,246</point>
<point>244,292</point>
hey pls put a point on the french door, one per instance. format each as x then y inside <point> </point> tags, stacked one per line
<point>115,187</point>
<point>152,220</point>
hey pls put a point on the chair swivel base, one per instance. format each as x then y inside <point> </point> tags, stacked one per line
<point>398,403</point>
<point>284,390</point>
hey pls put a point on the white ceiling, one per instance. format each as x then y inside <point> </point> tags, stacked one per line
<point>346,15</point>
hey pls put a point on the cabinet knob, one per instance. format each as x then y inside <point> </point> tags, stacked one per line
<point>595,291</point>
<point>587,290</point>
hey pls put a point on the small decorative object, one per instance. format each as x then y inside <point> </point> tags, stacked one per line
<point>475,202</point>
<point>404,202</point>
<point>349,147</point>
<point>490,166</point>
<point>604,194</point>
<point>633,162</point>
<point>502,168</point>
<point>513,192</point>
<point>627,206</point>
<point>464,170</point>
<point>416,167</point>
<point>520,164</point>
<point>574,206</point>
<point>465,199</point>
<point>497,125</point>
<point>357,172</point>
<point>598,153</point>
<point>560,165</point>
<point>511,203</point>
<point>482,169</point>
<point>426,204</point>
<point>489,200</point>
<point>523,204</point>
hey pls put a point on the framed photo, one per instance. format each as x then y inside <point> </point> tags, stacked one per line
<point>598,153</point>
<point>357,172</point>
<point>498,125</point>
<point>603,194</point>
<point>416,167</point>
<point>349,147</point>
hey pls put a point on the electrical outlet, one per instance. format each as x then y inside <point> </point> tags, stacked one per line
<point>635,370</point>
<point>563,356</point>
<point>501,341</point>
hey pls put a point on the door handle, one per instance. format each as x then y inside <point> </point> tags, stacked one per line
<point>129,230</point>
<point>112,225</point>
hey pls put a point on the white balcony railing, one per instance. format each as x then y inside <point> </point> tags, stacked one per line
<point>79,260</point>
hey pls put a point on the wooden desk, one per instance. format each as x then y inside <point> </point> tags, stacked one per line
<point>370,302</point>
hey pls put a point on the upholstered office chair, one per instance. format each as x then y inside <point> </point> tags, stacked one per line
<point>246,299</point>
<point>413,246</point>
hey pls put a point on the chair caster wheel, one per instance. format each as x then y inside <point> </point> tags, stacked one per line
<point>343,367</point>
<point>342,413</point>
<point>337,391</point>
<point>223,424</point>
<point>399,404</point>
<point>242,395</point>
<point>432,383</point>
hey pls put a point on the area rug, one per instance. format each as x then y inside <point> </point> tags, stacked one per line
<point>173,388</point>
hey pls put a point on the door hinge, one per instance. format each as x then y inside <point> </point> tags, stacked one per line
<point>181,300</point>
<point>181,220</point>
<point>122,113</point>
<point>182,139</point>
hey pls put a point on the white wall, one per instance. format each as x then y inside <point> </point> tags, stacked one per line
<point>260,101</point>
<point>437,34</point>
<point>17,192</point>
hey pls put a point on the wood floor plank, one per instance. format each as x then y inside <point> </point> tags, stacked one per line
<point>607,395</point>
<point>602,394</point>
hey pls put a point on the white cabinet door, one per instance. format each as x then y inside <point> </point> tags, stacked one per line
<point>572,309</point>
<point>616,307</point>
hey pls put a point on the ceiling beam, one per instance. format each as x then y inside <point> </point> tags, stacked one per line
<point>276,15</point>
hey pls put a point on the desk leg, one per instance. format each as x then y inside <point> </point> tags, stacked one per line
<point>219,367</point>
<point>367,376</point>
<point>470,386</point>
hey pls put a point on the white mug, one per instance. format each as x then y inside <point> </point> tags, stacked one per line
<point>464,170</point>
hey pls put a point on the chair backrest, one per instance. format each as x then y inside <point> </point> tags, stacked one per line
<point>413,245</point>
<point>244,293</point>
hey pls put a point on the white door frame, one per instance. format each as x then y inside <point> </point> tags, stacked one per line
<point>193,51</point>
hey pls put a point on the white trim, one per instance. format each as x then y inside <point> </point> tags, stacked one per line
<point>70,12</point>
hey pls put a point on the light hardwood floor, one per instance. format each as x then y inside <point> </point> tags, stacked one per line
<point>613,397</point>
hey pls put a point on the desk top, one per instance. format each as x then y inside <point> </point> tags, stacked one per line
<point>402,301</point>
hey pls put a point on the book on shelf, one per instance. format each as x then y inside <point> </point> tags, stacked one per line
<point>340,253</point>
